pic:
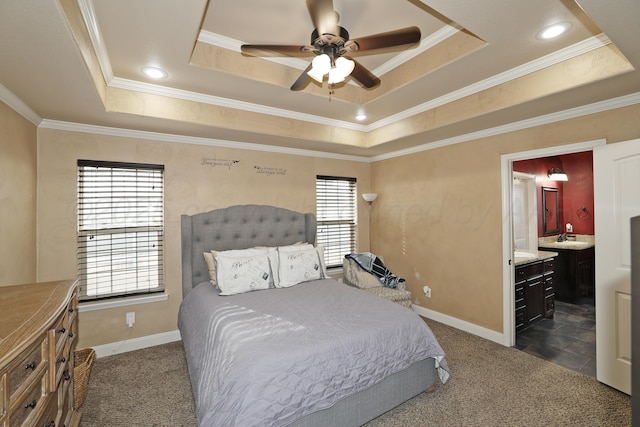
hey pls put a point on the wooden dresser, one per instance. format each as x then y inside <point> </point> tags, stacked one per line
<point>38,328</point>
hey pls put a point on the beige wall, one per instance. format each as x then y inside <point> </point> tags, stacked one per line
<point>437,220</point>
<point>18,170</point>
<point>197,178</point>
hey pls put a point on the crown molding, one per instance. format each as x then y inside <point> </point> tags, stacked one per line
<point>153,89</point>
<point>99,47</point>
<point>611,104</point>
<point>18,106</point>
<point>530,67</point>
<point>183,139</point>
<point>557,57</point>
<point>597,107</point>
<point>234,45</point>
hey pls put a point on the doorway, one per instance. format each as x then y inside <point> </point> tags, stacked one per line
<point>507,160</point>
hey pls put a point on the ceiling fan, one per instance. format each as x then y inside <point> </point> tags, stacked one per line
<point>331,45</point>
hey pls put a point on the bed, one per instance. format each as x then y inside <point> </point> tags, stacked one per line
<point>317,353</point>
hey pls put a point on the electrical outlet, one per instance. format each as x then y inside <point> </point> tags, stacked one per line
<point>131,319</point>
<point>427,291</point>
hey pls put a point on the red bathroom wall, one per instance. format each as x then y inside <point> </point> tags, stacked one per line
<point>577,202</point>
<point>574,194</point>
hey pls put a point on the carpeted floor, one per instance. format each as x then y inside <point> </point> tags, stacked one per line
<point>491,385</point>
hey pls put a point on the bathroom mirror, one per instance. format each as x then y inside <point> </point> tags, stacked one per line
<point>550,211</point>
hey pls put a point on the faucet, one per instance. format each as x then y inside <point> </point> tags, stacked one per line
<point>562,237</point>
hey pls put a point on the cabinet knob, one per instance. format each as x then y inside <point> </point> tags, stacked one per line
<point>49,424</point>
<point>31,404</point>
<point>67,375</point>
<point>31,365</point>
<point>61,331</point>
<point>70,334</point>
<point>62,360</point>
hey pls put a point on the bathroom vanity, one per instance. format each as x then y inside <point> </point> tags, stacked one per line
<point>574,276</point>
<point>534,289</point>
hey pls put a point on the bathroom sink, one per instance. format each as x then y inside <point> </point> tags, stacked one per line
<point>571,243</point>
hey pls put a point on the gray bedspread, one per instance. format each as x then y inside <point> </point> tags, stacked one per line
<point>267,358</point>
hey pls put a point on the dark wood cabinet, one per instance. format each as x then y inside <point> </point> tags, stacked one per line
<point>534,292</point>
<point>575,275</point>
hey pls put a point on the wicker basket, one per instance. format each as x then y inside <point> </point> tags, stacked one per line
<point>83,361</point>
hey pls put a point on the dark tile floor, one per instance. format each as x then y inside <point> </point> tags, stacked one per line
<point>569,339</point>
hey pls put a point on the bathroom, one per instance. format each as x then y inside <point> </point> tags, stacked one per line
<point>553,222</point>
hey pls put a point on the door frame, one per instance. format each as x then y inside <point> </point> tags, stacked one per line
<point>506,164</point>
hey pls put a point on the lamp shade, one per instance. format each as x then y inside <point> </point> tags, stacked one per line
<point>557,174</point>
<point>369,197</point>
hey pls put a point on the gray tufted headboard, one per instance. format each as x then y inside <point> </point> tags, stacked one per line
<point>238,227</point>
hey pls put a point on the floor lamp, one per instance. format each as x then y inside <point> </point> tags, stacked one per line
<point>369,198</point>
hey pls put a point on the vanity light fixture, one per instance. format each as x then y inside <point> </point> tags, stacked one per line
<point>557,174</point>
<point>154,72</point>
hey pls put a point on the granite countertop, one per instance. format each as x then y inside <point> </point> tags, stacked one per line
<point>575,242</point>
<point>531,256</point>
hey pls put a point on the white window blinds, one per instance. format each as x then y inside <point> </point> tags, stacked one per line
<point>336,211</point>
<point>120,229</point>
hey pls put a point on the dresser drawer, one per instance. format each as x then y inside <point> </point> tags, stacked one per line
<point>28,367</point>
<point>29,406</point>
<point>50,416</point>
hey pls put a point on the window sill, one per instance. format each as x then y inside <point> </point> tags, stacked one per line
<point>104,305</point>
<point>334,271</point>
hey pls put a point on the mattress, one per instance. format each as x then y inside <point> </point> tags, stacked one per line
<point>271,357</point>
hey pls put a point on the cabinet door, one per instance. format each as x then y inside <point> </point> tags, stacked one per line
<point>535,298</point>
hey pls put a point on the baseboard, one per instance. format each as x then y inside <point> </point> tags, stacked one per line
<point>485,333</point>
<point>136,343</point>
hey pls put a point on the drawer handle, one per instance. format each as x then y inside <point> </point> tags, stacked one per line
<point>49,424</point>
<point>62,360</point>
<point>67,375</point>
<point>31,404</point>
<point>31,365</point>
<point>61,331</point>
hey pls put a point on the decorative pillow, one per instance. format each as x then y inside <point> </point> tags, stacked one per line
<point>211,266</point>
<point>237,274</point>
<point>298,264</point>
<point>211,262</point>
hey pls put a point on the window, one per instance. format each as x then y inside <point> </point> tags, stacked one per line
<point>120,229</point>
<point>337,213</point>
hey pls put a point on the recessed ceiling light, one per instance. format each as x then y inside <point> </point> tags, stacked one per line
<point>154,72</point>
<point>553,31</point>
<point>361,116</point>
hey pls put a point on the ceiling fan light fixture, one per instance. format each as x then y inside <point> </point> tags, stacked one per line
<point>321,63</point>
<point>316,75</point>
<point>345,66</point>
<point>335,76</point>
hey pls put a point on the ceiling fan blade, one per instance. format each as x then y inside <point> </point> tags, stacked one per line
<point>383,40</point>
<point>364,76</point>
<point>302,81</point>
<point>323,16</point>
<point>276,50</point>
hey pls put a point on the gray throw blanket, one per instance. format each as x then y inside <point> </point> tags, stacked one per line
<point>373,264</point>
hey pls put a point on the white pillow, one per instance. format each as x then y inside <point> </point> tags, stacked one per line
<point>298,264</point>
<point>210,259</point>
<point>238,274</point>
